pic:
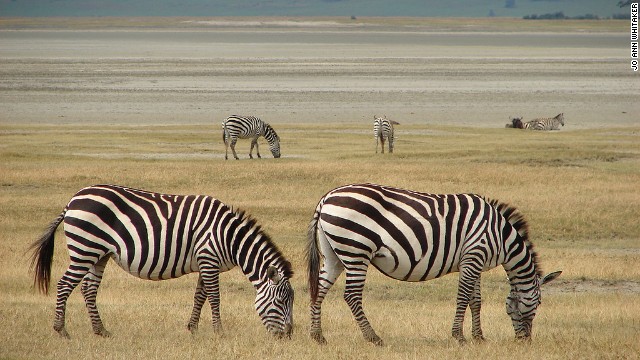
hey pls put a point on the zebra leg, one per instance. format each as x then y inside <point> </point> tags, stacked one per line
<point>390,144</point>
<point>475,304</point>
<point>233,148</point>
<point>89,290</point>
<point>199,298</point>
<point>331,269</point>
<point>466,284</point>
<point>210,273</point>
<point>65,287</point>
<point>255,141</point>
<point>382,142</point>
<point>353,297</point>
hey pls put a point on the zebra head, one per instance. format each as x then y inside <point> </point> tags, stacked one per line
<point>273,139</point>
<point>523,302</point>
<point>560,118</point>
<point>275,147</point>
<point>274,302</point>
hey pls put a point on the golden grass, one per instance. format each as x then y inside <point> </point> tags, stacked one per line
<point>578,190</point>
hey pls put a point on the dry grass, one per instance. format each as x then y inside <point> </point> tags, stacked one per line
<point>578,190</point>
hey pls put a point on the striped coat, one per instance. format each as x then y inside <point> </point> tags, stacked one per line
<point>412,236</point>
<point>248,127</point>
<point>160,236</point>
<point>546,124</point>
<point>383,131</point>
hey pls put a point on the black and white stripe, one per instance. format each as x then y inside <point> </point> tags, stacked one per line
<point>248,127</point>
<point>413,236</point>
<point>546,124</point>
<point>158,236</point>
<point>542,124</point>
<point>383,131</point>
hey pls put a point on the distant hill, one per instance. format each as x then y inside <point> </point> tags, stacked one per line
<point>420,8</point>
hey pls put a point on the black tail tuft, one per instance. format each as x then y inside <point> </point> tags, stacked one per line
<point>313,257</point>
<point>42,257</point>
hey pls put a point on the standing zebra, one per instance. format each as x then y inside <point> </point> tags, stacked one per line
<point>248,127</point>
<point>383,130</point>
<point>553,123</point>
<point>413,236</point>
<point>158,236</point>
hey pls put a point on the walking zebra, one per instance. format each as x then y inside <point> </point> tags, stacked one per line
<point>158,236</point>
<point>413,236</point>
<point>248,127</point>
<point>553,123</point>
<point>383,130</point>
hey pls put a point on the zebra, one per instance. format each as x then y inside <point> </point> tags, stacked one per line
<point>160,236</point>
<point>412,236</point>
<point>525,125</point>
<point>383,130</point>
<point>248,127</point>
<point>553,123</point>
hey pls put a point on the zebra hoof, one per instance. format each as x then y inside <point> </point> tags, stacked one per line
<point>193,328</point>
<point>318,338</point>
<point>103,332</point>
<point>63,333</point>
<point>376,341</point>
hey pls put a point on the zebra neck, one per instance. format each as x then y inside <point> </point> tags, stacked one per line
<point>521,266</point>
<point>255,258</point>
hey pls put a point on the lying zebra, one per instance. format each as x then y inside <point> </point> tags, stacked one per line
<point>553,123</point>
<point>542,124</point>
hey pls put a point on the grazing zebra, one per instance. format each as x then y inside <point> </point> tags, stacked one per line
<point>248,127</point>
<point>413,236</point>
<point>158,236</point>
<point>383,130</point>
<point>553,123</point>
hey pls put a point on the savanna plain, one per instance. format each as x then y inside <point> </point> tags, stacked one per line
<point>139,102</point>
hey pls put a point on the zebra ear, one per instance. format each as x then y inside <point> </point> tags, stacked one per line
<point>550,277</point>
<point>273,276</point>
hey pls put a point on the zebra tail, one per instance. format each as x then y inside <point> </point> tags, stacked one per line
<point>42,257</point>
<point>313,256</point>
<point>224,132</point>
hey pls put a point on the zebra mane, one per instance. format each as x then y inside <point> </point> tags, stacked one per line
<point>517,220</point>
<point>269,129</point>
<point>252,223</point>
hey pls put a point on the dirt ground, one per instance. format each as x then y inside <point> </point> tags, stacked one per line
<point>314,72</point>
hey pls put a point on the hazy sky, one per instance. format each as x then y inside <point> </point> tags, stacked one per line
<point>468,8</point>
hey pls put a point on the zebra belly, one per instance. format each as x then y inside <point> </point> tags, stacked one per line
<point>156,273</point>
<point>385,261</point>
